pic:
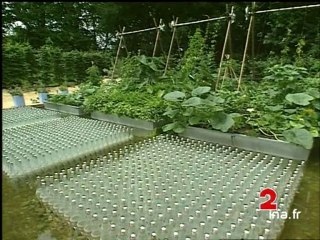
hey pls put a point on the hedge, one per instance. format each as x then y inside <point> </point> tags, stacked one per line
<point>23,65</point>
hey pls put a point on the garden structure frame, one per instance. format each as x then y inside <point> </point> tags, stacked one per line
<point>121,35</point>
<point>252,13</point>
<point>174,25</point>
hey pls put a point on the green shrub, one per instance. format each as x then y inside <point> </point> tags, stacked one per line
<point>93,75</point>
<point>17,63</point>
<point>16,91</point>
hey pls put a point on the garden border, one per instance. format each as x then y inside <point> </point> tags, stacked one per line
<point>264,145</point>
<point>74,110</point>
<point>140,127</point>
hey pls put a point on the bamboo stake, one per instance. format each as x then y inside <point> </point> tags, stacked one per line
<point>245,52</point>
<point>230,36</point>
<point>171,43</point>
<point>223,51</point>
<point>140,31</point>
<point>157,37</point>
<point>252,43</point>
<point>124,42</point>
<point>160,43</point>
<point>118,52</point>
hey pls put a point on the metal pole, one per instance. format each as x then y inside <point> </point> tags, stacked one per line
<point>223,51</point>
<point>245,52</point>
<point>157,37</point>
<point>170,48</point>
<point>200,21</point>
<point>118,52</point>
<point>289,8</point>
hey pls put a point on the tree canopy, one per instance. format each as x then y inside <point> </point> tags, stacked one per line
<point>92,25</point>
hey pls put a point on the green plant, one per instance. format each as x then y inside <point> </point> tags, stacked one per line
<point>286,78</point>
<point>93,75</point>
<point>42,90</point>
<point>16,91</point>
<point>18,63</point>
<point>284,105</point>
<point>113,99</point>
<point>140,71</point>
<point>63,87</point>
<point>76,98</point>
<point>196,62</point>
<point>198,108</point>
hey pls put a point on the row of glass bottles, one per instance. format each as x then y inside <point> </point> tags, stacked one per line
<point>33,148</point>
<point>172,187</point>
<point>15,117</point>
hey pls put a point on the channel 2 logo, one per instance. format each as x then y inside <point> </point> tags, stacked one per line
<point>270,203</point>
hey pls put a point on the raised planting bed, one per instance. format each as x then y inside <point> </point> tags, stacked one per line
<point>141,127</point>
<point>64,108</point>
<point>257,144</point>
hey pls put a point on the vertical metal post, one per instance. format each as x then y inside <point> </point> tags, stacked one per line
<point>223,50</point>
<point>171,43</point>
<point>118,52</point>
<point>245,52</point>
<point>157,37</point>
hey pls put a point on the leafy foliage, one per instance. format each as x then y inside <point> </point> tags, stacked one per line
<point>112,99</point>
<point>76,98</point>
<point>139,71</point>
<point>284,100</point>
<point>94,77</point>
<point>302,99</point>
<point>17,64</point>
<point>299,136</point>
<point>196,61</point>
<point>25,66</point>
<point>16,91</point>
<point>198,108</point>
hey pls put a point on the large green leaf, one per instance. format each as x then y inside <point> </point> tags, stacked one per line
<point>192,102</point>
<point>275,108</point>
<point>188,112</point>
<point>221,121</point>
<point>169,126</point>
<point>90,90</point>
<point>194,120</point>
<point>160,93</point>
<point>200,90</point>
<point>176,127</point>
<point>179,129</point>
<point>174,96</point>
<point>299,136</point>
<point>314,92</point>
<point>216,99</point>
<point>153,66</point>
<point>142,59</point>
<point>302,99</point>
<point>171,113</point>
<point>316,104</point>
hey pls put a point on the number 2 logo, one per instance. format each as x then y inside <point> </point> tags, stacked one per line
<point>269,204</point>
